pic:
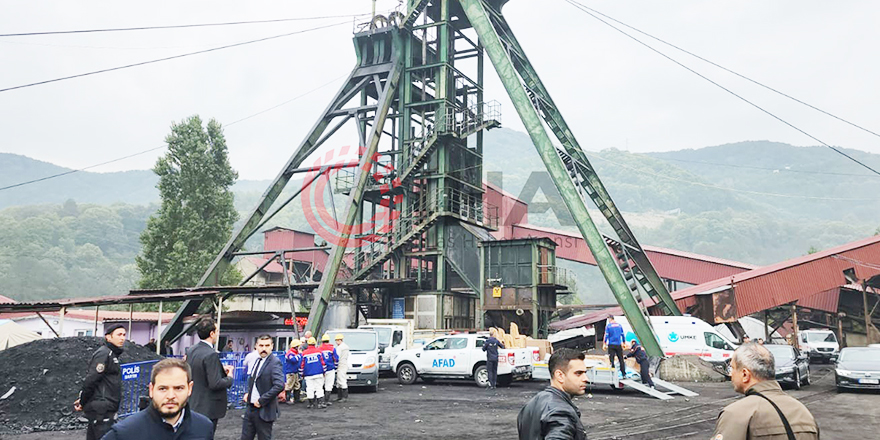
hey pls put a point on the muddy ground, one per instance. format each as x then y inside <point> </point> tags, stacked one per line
<point>460,410</point>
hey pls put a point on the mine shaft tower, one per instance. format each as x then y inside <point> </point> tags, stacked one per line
<point>417,100</point>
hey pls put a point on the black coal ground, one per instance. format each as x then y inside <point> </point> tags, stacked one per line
<point>47,375</point>
<point>452,410</point>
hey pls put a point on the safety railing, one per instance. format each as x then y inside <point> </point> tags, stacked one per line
<point>469,207</point>
<point>462,121</point>
<point>548,274</point>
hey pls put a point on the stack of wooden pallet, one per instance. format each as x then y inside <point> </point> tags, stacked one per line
<point>512,339</point>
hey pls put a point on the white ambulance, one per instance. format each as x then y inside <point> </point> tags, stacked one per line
<point>685,335</point>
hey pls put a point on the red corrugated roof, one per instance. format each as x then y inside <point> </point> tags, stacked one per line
<point>686,267</point>
<point>827,300</point>
<point>813,280</point>
<point>790,280</point>
<point>6,300</point>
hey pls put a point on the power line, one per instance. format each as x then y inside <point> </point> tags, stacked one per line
<point>181,26</point>
<point>732,72</point>
<point>838,151</point>
<point>80,169</point>
<point>171,57</point>
<point>65,173</point>
<point>288,101</point>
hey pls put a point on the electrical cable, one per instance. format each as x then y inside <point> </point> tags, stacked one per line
<point>774,116</point>
<point>181,26</point>
<point>41,179</point>
<point>733,72</point>
<point>171,57</point>
<point>78,170</point>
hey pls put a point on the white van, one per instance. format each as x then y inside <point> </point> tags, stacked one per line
<point>820,344</point>
<point>363,357</point>
<point>685,335</point>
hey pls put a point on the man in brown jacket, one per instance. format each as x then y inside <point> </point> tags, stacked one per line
<point>766,413</point>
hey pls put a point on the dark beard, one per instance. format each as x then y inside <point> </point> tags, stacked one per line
<point>166,415</point>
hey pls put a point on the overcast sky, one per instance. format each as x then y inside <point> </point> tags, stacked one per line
<point>612,91</point>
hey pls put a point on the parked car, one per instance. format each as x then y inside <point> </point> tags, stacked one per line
<point>792,366</point>
<point>858,367</point>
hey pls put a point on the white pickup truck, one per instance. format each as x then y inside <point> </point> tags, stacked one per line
<point>460,357</point>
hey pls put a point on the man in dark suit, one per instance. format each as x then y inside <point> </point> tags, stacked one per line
<point>210,377</point>
<point>264,384</point>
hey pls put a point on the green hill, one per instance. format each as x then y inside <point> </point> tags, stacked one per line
<point>758,202</point>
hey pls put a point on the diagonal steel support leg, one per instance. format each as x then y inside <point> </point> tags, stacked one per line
<point>355,199</point>
<point>359,76</point>
<point>478,15</point>
<point>592,186</point>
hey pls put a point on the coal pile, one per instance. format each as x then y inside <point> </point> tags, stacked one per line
<point>48,376</point>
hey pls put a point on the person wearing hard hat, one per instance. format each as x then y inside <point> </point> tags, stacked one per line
<point>312,368</point>
<point>331,359</point>
<point>292,360</point>
<point>342,351</point>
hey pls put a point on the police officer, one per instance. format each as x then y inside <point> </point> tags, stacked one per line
<point>102,389</point>
<point>766,412</point>
<point>636,351</point>
<point>491,347</point>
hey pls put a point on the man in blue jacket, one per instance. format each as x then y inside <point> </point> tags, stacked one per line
<point>168,416</point>
<point>614,339</point>
<point>264,385</point>
<point>292,359</point>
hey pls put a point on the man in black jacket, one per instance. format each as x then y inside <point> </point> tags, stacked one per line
<point>491,347</point>
<point>210,377</point>
<point>167,416</point>
<point>636,351</point>
<point>102,389</point>
<point>264,384</point>
<point>551,414</point>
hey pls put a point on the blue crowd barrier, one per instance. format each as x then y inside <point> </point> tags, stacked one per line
<point>136,381</point>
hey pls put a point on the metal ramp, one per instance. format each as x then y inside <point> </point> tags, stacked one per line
<point>601,375</point>
<point>674,388</point>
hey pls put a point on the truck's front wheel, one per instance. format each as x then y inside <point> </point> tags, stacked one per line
<point>406,374</point>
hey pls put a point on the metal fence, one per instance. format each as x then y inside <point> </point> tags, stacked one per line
<point>136,381</point>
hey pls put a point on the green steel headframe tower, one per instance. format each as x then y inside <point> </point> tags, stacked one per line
<point>418,81</point>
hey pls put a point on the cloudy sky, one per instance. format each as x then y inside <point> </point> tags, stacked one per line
<point>612,91</point>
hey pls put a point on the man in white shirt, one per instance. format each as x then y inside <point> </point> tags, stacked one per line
<point>265,382</point>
